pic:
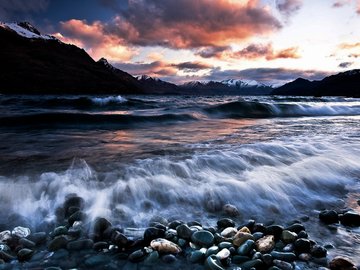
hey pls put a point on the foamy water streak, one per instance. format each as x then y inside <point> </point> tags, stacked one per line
<point>276,179</point>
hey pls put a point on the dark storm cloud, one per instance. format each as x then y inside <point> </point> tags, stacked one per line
<point>192,66</point>
<point>346,64</point>
<point>212,51</point>
<point>21,9</point>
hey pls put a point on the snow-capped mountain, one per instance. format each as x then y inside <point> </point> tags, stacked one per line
<point>243,83</point>
<point>27,30</point>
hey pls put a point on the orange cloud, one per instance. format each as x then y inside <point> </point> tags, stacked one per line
<point>94,38</point>
<point>192,24</point>
<point>252,51</point>
<point>348,46</point>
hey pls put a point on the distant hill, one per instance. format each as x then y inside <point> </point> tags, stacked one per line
<point>34,63</point>
<point>342,84</point>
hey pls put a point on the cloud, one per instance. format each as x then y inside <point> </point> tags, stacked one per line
<point>288,7</point>
<point>94,38</point>
<point>254,51</point>
<point>346,64</point>
<point>271,76</point>
<point>161,68</point>
<point>349,46</point>
<point>21,9</point>
<point>251,52</point>
<point>341,3</point>
<point>191,66</point>
<point>192,24</point>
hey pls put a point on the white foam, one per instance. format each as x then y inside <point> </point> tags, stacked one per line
<point>107,100</point>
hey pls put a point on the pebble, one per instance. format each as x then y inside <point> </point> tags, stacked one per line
<point>212,250</point>
<point>245,248</point>
<point>197,256</point>
<point>21,232</point>
<point>225,223</point>
<point>58,243</point>
<point>351,219</point>
<point>165,246</point>
<point>24,254</point>
<point>153,233</point>
<point>329,216</point>
<point>265,244</point>
<point>283,265</point>
<point>223,254</point>
<point>169,259</point>
<point>152,258</point>
<point>4,236</point>
<point>174,224</point>
<point>251,264</point>
<point>305,257</point>
<point>212,263</point>
<point>318,251</point>
<point>283,256</point>
<point>60,231</point>
<point>225,245</point>
<point>26,243</point>
<point>203,238</point>
<point>275,230</point>
<point>97,260</point>
<point>231,210</point>
<point>288,236</point>
<point>4,247</point>
<point>229,232</point>
<point>342,263</point>
<point>258,235</point>
<point>296,228</point>
<point>241,237</point>
<point>302,245</point>
<point>184,231</point>
<point>80,244</point>
<point>137,256</point>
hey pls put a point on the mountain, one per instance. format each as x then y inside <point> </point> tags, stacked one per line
<point>33,63</point>
<point>156,86</point>
<point>227,87</point>
<point>342,84</point>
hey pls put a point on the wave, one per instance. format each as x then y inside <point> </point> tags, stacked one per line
<point>82,120</point>
<point>279,179</point>
<point>256,109</point>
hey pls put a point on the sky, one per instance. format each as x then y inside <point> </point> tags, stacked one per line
<point>270,41</point>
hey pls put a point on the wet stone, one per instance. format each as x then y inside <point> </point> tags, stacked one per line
<point>212,250</point>
<point>137,256</point>
<point>296,228</point>
<point>231,210</point>
<point>203,238</point>
<point>24,254</point>
<point>275,230</point>
<point>241,237</point>
<point>80,244</point>
<point>305,257</point>
<point>73,201</point>
<point>265,244</point>
<point>351,219</point>
<point>329,216</point>
<point>169,259</point>
<point>60,231</point>
<point>342,263</point>
<point>153,233</point>
<point>318,251</point>
<point>229,232</point>
<point>21,232</point>
<point>174,224</point>
<point>120,239</point>
<point>288,236</point>
<point>283,265</point>
<point>225,245</point>
<point>38,237</point>
<point>26,243</point>
<point>97,260</point>
<point>165,246</point>
<point>258,235</point>
<point>267,259</point>
<point>302,245</point>
<point>197,256</point>
<point>4,236</point>
<point>225,223</point>
<point>223,254</point>
<point>184,231</point>
<point>251,264</point>
<point>238,259</point>
<point>283,256</point>
<point>6,256</point>
<point>303,234</point>
<point>57,243</point>
<point>212,263</point>
<point>77,216</point>
<point>245,248</point>
<point>152,258</point>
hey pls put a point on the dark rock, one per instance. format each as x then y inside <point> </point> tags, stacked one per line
<point>120,240</point>
<point>169,259</point>
<point>342,263</point>
<point>296,228</point>
<point>137,256</point>
<point>350,219</point>
<point>73,201</point>
<point>26,243</point>
<point>153,233</point>
<point>184,231</point>
<point>231,210</point>
<point>38,237</point>
<point>58,243</point>
<point>59,231</point>
<point>158,225</point>
<point>283,265</point>
<point>288,236</point>
<point>101,225</point>
<point>245,248</point>
<point>212,251</point>
<point>152,258</point>
<point>24,254</point>
<point>75,232</point>
<point>80,244</point>
<point>197,256</point>
<point>303,234</point>
<point>194,223</point>
<point>251,264</point>
<point>238,259</point>
<point>203,238</point>
<point>77,216</point>
<point>6,256</point>
<point>174,224</point>
<point>318,251</point>
<point>258,235</point>
<point>98,246</point>
<point>158,219</point>
<point>225,245</point>
<point>259,227</point>
<point>275,230</point>
<point>283,256</point>
<point>212,263</point>
<point>97,260</point>
<point>267,259</point>
<point>225,223</point>
<point>329,216</point>
<point>302,245</point>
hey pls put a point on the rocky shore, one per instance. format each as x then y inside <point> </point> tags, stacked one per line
<point>74,243</point>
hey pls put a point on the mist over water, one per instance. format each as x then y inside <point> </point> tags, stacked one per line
<point>132,158</point>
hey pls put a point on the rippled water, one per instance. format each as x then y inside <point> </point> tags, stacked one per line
<point>134,157</point>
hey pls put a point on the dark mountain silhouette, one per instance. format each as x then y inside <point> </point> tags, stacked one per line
<point>342,84</point>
